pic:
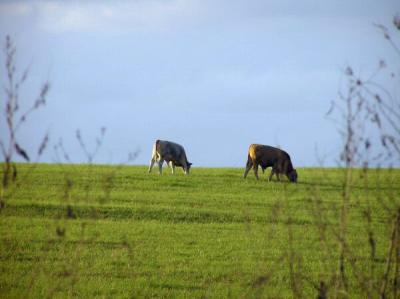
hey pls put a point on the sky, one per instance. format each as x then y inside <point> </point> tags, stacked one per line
<point>214,76</point>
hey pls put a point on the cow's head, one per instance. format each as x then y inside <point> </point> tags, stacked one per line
<point>188,164</point>
<point>293,176</point>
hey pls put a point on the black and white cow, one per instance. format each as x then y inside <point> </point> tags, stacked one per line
<point>171,152</point>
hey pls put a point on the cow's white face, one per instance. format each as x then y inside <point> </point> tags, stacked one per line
<point>188,168</point>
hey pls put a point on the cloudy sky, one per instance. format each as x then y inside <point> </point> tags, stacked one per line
<point>213,76</point>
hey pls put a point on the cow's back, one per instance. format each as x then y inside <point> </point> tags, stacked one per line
<point>169,150</point>
<point>266,155</point>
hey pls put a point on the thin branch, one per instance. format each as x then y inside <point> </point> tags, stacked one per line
<point>379,99</point>
<point>385,279</point>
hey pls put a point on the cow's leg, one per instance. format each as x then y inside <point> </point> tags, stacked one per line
<point>248,167</point>
<point>152,161</point>
<point>271,174</point>
<point>172,165</point>
<point>255,168</point>
<point>160,163</point>
<point>278,169</point>
<point>278,177</point>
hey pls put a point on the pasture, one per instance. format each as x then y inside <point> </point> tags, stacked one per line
<point>106,231</point>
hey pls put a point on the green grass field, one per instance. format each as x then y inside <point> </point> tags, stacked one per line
<point>86,231</point>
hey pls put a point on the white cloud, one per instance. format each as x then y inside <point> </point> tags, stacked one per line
<point>137,15</point>
<point>101,16</point>
<point>15,9</point>
<point>113,16</point>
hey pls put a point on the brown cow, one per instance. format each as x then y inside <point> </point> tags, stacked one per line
<point>268,156</point>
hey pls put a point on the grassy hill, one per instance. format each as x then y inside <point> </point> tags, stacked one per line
<point>108,231</point>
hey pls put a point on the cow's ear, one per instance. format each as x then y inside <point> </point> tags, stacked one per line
<point>190,164</point>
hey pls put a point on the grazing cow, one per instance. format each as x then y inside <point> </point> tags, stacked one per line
<point>173,153</point>
<point>268,156</point>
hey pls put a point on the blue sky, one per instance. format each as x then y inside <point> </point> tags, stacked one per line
<point>213,76</point>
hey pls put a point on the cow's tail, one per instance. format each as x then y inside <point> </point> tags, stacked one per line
<point>249,161</point>
<point>249,164</point>
<point>154,154</point>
